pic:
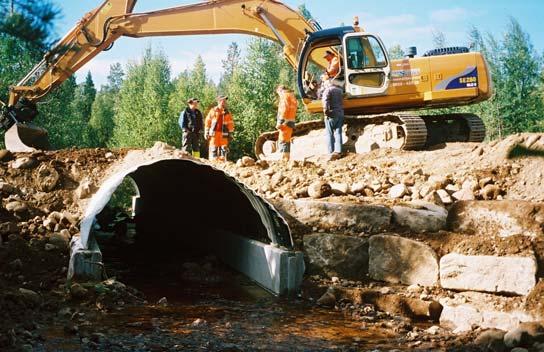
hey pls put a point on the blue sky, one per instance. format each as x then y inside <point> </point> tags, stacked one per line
<point>408,23</point>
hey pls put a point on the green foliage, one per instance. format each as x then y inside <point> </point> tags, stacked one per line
<point>30,21</point>
<point>101,123</point>
<point>253,101</point>
<point>230,64</point>
<point>142,115</point>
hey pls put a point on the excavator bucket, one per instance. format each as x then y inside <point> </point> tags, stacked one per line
<point>23,137</point>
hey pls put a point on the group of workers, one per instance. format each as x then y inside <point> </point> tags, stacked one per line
<point>218,127</point>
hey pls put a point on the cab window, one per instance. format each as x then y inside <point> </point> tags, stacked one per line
<point>365,52</point>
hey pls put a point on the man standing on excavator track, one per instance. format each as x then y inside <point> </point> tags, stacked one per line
<point>287,112</point>
<point>333,109</point>
<point>219,129</point>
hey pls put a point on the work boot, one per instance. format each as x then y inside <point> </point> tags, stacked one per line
<point>285,156</point>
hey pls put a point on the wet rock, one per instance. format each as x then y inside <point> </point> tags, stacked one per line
<point>488,273</point>
<point>339,189</point>
<point>7,228</point>
<point>328,299</point>
<point>24,163</point>
<point>71,328</point>
<point>50,247</point>
<point>326,215</point>
<point>426,217</point>
<point>199,323</point>
<point>400,260</point>
<point>7,189</point>
<point>497,218</point>
<point>60,241</point>
<point>492,340</point>
<point>524,335</point>
<point>30,296</point>
<point>84,190</point>
<point>15,265</point>
<point>519,349</point>
<point>336,255</point>
<point>490,192</point>
<point>46,178</point>
<point>5,154</point>
<point>319,189</point>
<point>162,302</point>
<point>398,191</point>
<point>77,291</point>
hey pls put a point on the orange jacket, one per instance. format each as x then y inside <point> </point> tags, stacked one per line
<point>219,122</point>
<point>287,108</point>
<point>334,67</point>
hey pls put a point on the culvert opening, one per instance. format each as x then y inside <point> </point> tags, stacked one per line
<point>173,220</point>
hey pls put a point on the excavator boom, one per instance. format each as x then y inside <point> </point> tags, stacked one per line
<point>99,29</point>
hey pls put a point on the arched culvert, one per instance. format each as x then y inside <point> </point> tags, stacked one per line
<point>187,205</point>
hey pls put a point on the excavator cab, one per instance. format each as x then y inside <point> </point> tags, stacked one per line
<point>365,67</point>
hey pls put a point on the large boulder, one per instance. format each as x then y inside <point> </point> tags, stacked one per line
<point>488,273</point>
<point>400,260</point>
<point>336,255</point>
<point>502,218</point>
<point>326,215</point>
<point>421,217</point>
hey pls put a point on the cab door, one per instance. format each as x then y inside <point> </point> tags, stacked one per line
<point>366,65</point>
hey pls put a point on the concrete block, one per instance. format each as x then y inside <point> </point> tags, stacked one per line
<point>275,269</point>
<point>488,273</point>
<point>85,264</point>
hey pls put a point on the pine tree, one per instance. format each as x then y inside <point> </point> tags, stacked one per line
<point>142,116</point>
<point>101,124</point>
<point>520,72</point>
<point>230,64</point>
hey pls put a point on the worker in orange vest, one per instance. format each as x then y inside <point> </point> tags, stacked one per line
<point>287,112</point>
<point>219,129</point>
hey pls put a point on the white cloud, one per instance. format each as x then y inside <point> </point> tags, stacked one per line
<point>449,15</point>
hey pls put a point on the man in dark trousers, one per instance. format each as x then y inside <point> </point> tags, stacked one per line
<point>333,108</point>
<point>191,123</point>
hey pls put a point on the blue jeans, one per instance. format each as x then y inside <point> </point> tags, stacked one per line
<point>334,133</point>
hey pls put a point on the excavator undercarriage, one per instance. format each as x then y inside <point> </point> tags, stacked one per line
<point>406,131</point>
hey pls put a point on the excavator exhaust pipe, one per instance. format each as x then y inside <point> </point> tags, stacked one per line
<point>26,138</point>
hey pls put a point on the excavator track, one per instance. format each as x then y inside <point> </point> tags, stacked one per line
<point>405,131</point>
<point>476,128</point>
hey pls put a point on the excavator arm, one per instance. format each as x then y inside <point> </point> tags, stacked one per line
<point>99,29</point>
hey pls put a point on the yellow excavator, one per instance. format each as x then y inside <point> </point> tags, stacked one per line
<point>378,91</point>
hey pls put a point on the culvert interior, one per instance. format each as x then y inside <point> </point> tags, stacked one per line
<point>189,214</point>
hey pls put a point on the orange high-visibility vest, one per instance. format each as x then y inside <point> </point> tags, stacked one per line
<point>219,126</point>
